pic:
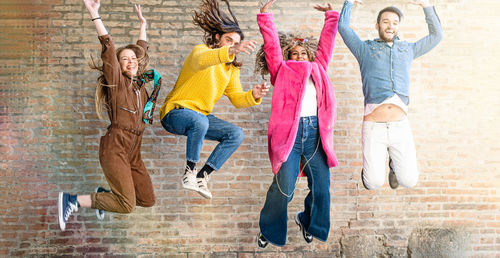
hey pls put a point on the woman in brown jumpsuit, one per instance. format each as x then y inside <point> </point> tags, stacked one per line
<point>121,90</point>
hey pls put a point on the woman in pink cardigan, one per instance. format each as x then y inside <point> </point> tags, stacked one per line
<point>300,135</point>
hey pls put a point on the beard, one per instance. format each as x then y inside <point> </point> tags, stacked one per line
<point>383,37</point>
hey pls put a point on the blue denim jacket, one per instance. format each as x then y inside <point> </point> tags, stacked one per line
<point>385,70</point>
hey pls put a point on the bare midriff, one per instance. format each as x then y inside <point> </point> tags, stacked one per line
<point>386,113</point>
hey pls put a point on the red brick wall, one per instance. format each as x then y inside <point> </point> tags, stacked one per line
<point>49,136</point>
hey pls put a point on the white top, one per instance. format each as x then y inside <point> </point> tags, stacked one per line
<point>395,100</point>
<point>309,102</point>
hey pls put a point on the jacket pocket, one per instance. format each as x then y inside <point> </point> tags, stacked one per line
<point>402,53</point>
<point>403,48</point>
<point>129,110</point>
<point>375,51</point>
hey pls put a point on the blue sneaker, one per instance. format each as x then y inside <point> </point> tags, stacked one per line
<point>67,205</point>
<point>308,237</point>
<point>100,213</point>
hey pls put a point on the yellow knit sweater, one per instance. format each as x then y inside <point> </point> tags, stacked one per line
<point>203,79</point>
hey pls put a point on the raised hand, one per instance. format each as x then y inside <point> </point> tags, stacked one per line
<point>327,7</point>
<point>265,6</point>
<point>144,23</point>
<point>423,3</point>
<point>93,7</point>
<point>246,46</point>
<point>260,90</point>
<point>139,14</point>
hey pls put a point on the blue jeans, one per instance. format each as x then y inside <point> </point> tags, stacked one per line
<point>198,127</point>
<point>316,215</point>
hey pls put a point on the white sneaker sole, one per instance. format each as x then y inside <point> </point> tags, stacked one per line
<point>190,187</point>
<point>97,213</point>
<point>60,219</point>
<point>205,194</point>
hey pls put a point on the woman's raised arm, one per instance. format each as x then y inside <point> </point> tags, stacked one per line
<point>144,23</point>
<point>93,8</point>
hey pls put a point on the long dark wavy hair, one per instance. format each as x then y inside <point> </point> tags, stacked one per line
<point>101,93</point>
<point>213,21</point>
<point>287,42</point>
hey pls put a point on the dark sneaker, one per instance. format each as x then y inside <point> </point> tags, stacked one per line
<point>262,241</point>
<point>308,237</point>
<point>363,180</point>
<point>393,180</point>
<point>100,213</point>
<point>67,205</point>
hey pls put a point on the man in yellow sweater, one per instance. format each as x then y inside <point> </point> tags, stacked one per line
<point>209,71</point>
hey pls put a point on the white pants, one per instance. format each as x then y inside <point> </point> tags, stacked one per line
<point>395,137</point>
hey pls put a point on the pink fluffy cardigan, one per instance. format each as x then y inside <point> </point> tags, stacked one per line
<point>289,79</point>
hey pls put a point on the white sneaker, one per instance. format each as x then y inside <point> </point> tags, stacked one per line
<point>202,187</point>
<point>100,213</point>
<point>189,179</point>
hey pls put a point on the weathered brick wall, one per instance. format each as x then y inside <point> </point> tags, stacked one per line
<point>50,133</point>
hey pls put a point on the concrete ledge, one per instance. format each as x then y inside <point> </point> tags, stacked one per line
<point>362,246</point>
<point>438,242</point>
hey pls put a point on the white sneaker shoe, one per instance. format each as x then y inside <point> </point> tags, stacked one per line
<point>100,213</point>
<point>189,179</point>
<point>202,187</point>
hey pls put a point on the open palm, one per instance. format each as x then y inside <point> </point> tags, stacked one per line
<point>92,5</point>
<point>422,3</point>
<point>327,7</point>
<point>266,6</point>
<point>139,13</point>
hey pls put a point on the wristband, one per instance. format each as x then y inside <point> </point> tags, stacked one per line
<point>96,18</point>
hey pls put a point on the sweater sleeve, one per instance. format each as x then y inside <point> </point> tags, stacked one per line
<point>272,49</point>
<point>110,63</point>
<point>327,39</point>
<point>235,93</point>
<point>203,57</point>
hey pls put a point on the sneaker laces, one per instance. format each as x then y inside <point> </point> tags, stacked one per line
<point>203,182</point>
<point>188,173</point>
<point>189,170</point>
<point>72,208</point>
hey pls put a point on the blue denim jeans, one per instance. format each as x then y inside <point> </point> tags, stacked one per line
<point>316,215</point>
<point>198,127</point>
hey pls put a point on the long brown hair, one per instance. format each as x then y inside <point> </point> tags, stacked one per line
<point>101,93</point>
<point>213,21</point>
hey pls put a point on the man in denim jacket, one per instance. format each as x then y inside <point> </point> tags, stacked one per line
<point>385,70</point>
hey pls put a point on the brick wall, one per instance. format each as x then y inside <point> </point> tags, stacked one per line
<point>50,133</point>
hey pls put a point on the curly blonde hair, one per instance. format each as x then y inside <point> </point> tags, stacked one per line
<point>287,42</point>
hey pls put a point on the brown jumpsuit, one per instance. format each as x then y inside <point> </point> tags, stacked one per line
<point>120,147</point>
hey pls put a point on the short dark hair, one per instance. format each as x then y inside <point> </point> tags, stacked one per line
<point>391,9</point>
